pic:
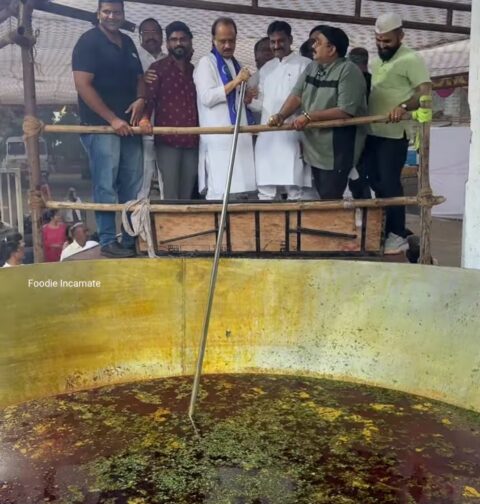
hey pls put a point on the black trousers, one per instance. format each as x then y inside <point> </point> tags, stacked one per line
<point>360,188</point>
<point>330,184</point>
<point>384,161</point>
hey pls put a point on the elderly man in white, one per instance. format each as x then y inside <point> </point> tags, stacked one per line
<point>151,40</point>
<point>79,235</point>
<point>278,156</point>
<point>218,77</point>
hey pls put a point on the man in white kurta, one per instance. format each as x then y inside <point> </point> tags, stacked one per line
<point>151,38</point>
<point>79,234</point>
<point>213,110</point>
<point>278,156</point>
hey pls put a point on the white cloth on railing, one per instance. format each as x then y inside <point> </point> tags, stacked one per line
<point>140,222</point>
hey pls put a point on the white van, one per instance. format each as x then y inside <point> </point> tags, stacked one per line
<point>16,156</point>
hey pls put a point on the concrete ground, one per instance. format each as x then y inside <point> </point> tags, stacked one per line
<point>446,239</point>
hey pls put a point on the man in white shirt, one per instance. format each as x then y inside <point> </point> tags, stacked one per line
<point>151,40</point>
<point>80,241</point>
<point>278,156</point>
<point>218,77</point>
<point>262,53</point>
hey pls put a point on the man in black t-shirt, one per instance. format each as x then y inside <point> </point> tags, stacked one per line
<point>109,80</point>
<point>359,56</point>
<point>357,182</point>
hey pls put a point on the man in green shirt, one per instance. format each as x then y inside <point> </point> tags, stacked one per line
<point>331,87</point>
<point>399,78</point>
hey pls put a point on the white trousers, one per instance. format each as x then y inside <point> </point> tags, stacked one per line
<point>269,192</point>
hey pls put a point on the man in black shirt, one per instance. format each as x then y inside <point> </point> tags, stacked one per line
<point>108,77</point>
<point>359,56</point>
<point>357,182</point>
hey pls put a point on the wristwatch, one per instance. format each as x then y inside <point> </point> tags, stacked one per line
<point>404,106</point>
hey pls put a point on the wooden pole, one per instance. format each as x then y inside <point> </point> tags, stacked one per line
<point>221,130</point>
<point>75,13</point>
<point>296,13</point>
<point>425,193</point>
<point>8,10</point>
<point>17,37</point>
<point>250,207</point>
<point>33,152</point>
<point>433,4</point>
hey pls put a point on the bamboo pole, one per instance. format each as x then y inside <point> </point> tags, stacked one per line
<point>8,10</point>
<point>251,207</point>
<point>33,151</point>
<point>18,37</point>
<point>220,130</point>
<point>425,192</point>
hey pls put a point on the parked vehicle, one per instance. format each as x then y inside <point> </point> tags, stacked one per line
<point>16,157</point>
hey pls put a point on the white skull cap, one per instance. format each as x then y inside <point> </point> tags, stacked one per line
<point>388,22</point>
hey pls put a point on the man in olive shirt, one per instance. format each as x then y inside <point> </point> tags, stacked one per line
<point>331,87</point>
<point>399,78</point>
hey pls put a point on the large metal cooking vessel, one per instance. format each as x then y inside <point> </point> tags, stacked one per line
<point>410,328</point>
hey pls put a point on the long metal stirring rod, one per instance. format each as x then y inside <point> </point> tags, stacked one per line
<point>213,276</point>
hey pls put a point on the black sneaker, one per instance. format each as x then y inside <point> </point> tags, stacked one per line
<point>413,252</point>
<point>115,251</point>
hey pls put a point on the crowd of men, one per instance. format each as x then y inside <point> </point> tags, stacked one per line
<point>120,88</point>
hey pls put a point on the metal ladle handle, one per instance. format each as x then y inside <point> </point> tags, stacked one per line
<point>213,276</point>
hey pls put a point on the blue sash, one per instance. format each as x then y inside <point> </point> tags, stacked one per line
<point>226,77</point>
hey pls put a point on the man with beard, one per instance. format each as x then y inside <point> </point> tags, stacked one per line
<point>218,78</point>
<point>172,97</point>
<point>151,40</point>
<point>108,77</point>
<point>399,78</point>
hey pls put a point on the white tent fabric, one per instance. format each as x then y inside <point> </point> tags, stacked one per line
<point>448,58</point>
<point>57,36</point>
<point>449,160</point>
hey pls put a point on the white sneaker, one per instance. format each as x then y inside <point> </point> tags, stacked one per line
<point>395,244</point>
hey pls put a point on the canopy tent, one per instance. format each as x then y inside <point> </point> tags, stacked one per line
<point>429,23</point>
<point>445,52</point>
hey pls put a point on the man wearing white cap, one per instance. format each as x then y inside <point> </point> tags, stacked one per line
<point>399,78</point>
<point>79,235</point>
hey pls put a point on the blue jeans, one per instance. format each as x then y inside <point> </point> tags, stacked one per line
<point>116,165</point>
